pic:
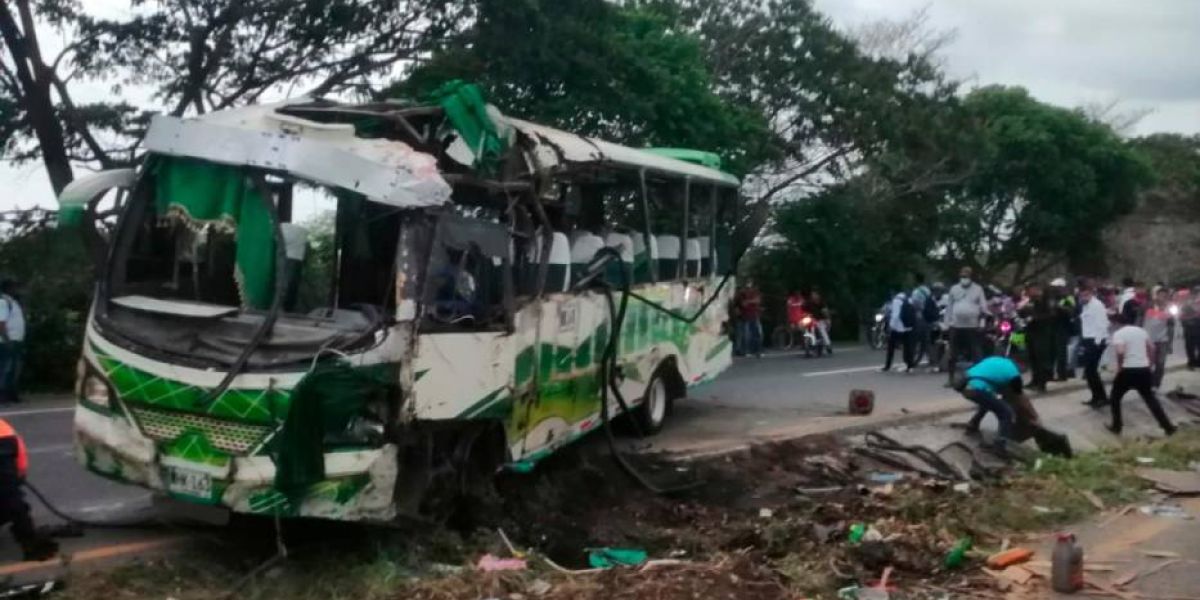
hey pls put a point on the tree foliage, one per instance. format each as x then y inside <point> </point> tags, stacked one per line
<point>1046,180</point>
<point>194,56</point>
<point>620,72</point>
<point>57,291</point>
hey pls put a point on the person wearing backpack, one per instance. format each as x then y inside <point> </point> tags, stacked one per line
<point>903,315</point>
<point>927,315</point>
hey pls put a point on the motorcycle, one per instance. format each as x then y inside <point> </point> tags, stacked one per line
<point>811,341</point>
<point>877,334</point>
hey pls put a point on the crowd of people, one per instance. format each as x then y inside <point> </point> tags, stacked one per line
<point>1065,328</point>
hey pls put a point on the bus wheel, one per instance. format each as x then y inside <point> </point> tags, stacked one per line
<point>657,403</point>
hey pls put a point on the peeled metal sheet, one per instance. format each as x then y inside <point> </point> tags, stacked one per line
<point>385,171</point>
<point>578,149</point>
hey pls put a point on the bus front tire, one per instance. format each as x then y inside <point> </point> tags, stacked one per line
<point>657,403</point>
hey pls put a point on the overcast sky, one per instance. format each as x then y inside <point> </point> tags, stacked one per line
<point>1143,53</point>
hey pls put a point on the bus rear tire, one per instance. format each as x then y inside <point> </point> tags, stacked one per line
<point>659,400</point>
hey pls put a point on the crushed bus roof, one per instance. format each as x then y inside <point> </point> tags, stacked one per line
<point>384,170</point>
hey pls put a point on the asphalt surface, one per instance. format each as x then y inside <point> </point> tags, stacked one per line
<point>46,426</point>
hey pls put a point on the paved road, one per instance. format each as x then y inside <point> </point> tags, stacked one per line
<point>815,386</point>
<point>46,427</point>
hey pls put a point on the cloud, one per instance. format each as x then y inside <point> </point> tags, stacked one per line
<point>1068,52</point>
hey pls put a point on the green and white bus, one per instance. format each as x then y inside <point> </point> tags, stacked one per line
<point>439,312</point>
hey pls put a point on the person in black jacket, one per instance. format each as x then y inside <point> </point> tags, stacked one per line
<point>1040,324</point>
<point>14,460</point>
<point>1066,317</point>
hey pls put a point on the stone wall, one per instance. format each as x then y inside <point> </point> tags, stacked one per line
<point>1159,241</point>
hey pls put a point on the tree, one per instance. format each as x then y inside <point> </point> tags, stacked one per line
<point>835,111</point>
<point>1046,181</point>
<point>843,242</point>
<point>619,72</point>
<point>196,56</point>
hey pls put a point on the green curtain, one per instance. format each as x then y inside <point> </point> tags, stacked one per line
<point>222,196</point>
<point>466,109</point>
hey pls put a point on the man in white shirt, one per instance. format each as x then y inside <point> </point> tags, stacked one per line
<point>1093,319</point>
<point>1135,354</point>
<point>901,314</point>
<point>12,341</point>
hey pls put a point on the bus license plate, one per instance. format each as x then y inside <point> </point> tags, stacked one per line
<point>190,483</point>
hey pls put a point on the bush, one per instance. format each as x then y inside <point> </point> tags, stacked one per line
<point>57,274</point>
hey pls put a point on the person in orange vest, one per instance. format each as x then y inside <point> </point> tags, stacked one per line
<point>14,461</point>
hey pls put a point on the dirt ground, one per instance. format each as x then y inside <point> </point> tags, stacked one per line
<point>773,523</point>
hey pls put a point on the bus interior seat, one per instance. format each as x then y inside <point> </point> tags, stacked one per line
<point>692,257</point>
<point>558,272</point>
<point>668,257</point>
<point>641,261</point>
<point>707,265</point>
<point>583,250</point>
<point>623,244</point>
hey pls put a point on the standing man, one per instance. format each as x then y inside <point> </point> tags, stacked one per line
<point>927,313</point>
<point>1189,316</point>
<point>1066,328</point>
<point>1039,330</point>
<point>750,320</point>
<point>1093,325</point>
<point>902,316</point>
<point>1135,354</point>
<point>1160,326</point>
<point>966,304</point>
<point>12,341</point>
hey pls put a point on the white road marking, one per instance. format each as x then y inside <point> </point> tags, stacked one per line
<point>36,411</point>
<point>840,371</point>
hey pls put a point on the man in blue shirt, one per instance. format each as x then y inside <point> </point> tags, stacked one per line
<point>990,384</point>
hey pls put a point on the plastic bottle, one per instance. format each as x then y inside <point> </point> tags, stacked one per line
<point>958,553</point>
<point>1066,569</point>
<point>857,531</point>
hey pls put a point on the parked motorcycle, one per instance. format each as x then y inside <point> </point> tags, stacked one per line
<point>877,334</point>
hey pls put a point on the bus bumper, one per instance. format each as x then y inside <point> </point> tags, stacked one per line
<point>359,485</point>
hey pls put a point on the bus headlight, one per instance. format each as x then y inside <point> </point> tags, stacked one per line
<point>95,390</point>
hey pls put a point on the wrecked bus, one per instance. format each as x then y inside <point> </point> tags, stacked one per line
<point>450,318</point>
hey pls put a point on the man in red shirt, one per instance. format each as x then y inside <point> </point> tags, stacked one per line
<point>795,309</point>
<point>749,326</point>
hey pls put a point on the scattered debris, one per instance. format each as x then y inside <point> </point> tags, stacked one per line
<point>1128,578</point>
<point>1124,511</point>
<point>765,513</point>
<point>491,562</point>
<point>1093,498</point>
<point>1171,511</point>
<point>1145,460</point>
<point>862,402</point>
<point>540,587</point>
<point>962,488</point>
<point>1045,510</point>
<point>1008,558</point>
<point>957,554</point>
<point>607,558</point>
<point>885,477</point>
<point>1172,482</point>
<point>1159,553</point>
